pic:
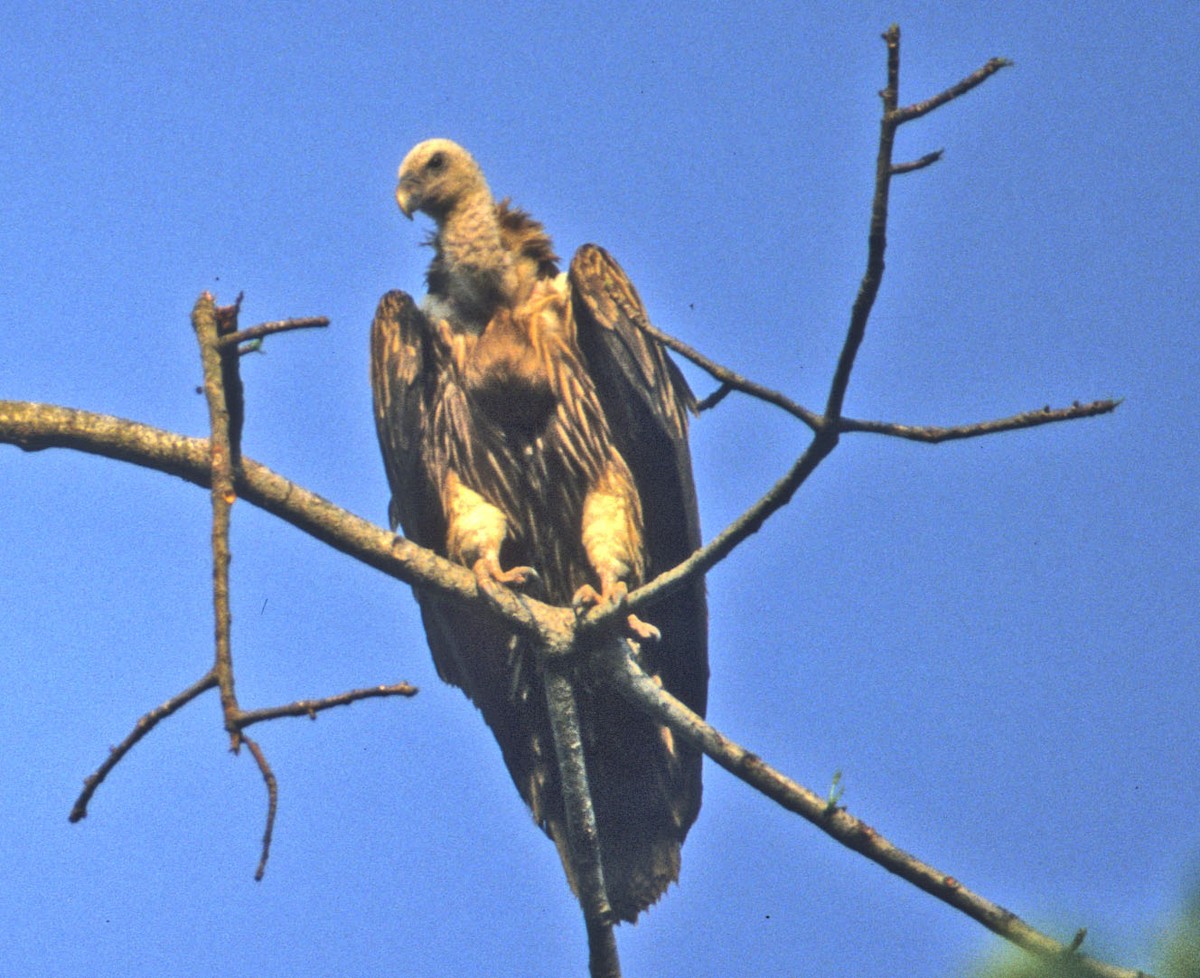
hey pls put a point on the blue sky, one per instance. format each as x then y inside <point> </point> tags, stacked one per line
<point>994,640</point>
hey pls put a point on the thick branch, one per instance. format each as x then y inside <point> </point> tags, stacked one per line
<point>583,834</point>
<point>34,427</point>
<point>220,374</point>
<point>835,822</point>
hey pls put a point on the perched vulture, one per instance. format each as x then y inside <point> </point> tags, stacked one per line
<point>533,432</point>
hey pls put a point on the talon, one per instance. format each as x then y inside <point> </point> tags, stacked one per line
<point>585,599</point>
<point>488,573</point>
<point>614,595</point>
<point>643,631</point>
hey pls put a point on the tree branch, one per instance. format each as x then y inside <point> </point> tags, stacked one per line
<point>225,421</point>
<point>143,726</point>
<point>583,834</point>
<point>834,821</point>
<point>263,330</point>
<point>730,379</point>
<point>272,786</point>
<point>310,708</point>
<point>1028,419</point>
<point>216,463</point>
<point>35,427</point>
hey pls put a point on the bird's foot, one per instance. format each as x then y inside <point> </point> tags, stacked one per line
<point>490,577</point>
<point>614,596</point>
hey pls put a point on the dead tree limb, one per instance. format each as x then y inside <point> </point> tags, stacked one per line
<point>217,464</point>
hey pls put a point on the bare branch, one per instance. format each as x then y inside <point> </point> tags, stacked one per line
<point>272,802</point>
<point>712,400</point>
<point>1027,419</point>
<point>927,160</point>
<point>216,464</point>
<point>225,421</point>
<point>868,288</point>
<point>729,378</point>
<point>266,329</point>
<point>143,726</point>
<point>835,822</point>
<point>977,77</point>
<point>310,708</point>
<point>34,427</point>
<point>583,834</point>
<point>749,523</point>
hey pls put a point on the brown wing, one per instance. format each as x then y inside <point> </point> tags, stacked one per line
<point>402,385</point>
<point>476,653</point>
<point>646,401</point>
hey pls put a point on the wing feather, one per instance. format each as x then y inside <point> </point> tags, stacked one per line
<point>647,400</point>
<point>401,385</point>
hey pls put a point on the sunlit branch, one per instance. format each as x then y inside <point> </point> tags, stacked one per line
<point>835,821</point>
<point>262,330</point>
<point>310,708</point>
<point>225,423</point>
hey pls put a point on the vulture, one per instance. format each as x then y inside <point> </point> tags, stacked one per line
<point>533,431</point>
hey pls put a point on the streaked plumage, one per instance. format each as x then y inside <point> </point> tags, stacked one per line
<point>527,421</point>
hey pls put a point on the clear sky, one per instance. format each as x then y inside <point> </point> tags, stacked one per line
<point>995,641</point>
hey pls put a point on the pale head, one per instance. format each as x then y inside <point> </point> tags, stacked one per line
<point>436,176</point>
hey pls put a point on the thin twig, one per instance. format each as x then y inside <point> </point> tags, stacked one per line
<point>927,160</point>
<point>272,802</point>
<point>722,391</point>
<point>975,78</point>
<point>266,329</point>
<point>729,378</point>
<point>143,726</point>
<point>310,708</point>
<point>868,288</point>
<point>1028,419</point>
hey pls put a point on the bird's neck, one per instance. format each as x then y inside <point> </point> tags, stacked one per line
<point>470,236</point>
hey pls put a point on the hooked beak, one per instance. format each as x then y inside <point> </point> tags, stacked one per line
<point>406,200</point>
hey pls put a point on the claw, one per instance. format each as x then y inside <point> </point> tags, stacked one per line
<point>643,631</point>
<point>488,573</point>
<point>587,597</point>
<point>615,594</point>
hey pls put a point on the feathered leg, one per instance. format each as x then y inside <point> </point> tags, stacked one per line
<point>475,529</point>
<point>612,539</point>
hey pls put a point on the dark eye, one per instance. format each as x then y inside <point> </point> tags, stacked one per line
<point>436,161</point>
